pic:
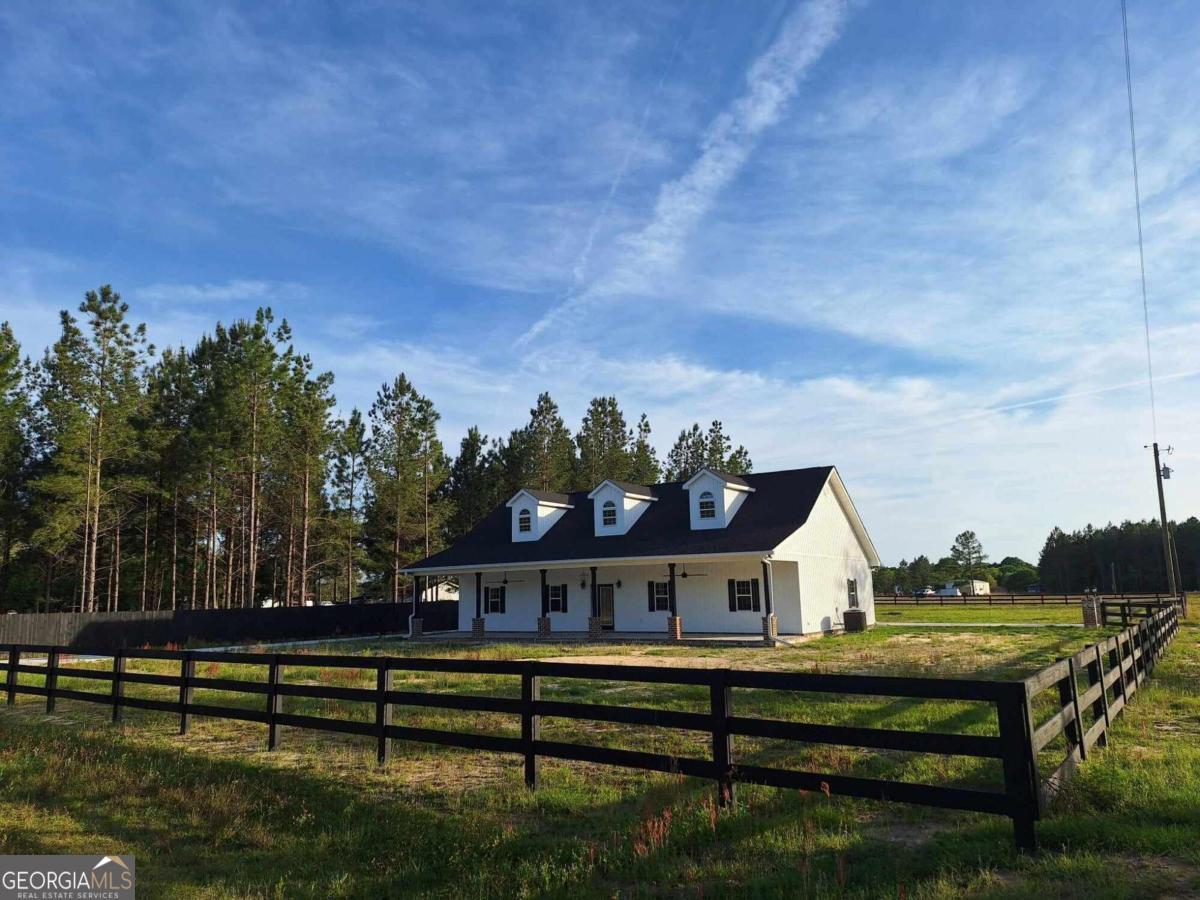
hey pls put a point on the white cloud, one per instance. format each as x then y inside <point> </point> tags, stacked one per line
<point>239,290</point>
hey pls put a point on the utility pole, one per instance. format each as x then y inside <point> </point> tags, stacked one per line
<point>1162,520</point>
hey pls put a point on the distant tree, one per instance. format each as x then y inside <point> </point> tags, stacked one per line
<point>351,449</point>
<point>688,455</point>
<point>695,449</point>
<point>605,443</point>
<point>644,467</point>
<point>15,408</point>
<point>542,454</point>
<point>969,560</point>
<point>472,486</point>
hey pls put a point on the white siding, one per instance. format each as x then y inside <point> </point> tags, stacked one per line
<point>703,602</point>
<point>827,553</point>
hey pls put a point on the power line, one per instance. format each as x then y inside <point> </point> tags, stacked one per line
<point>1137,199</point>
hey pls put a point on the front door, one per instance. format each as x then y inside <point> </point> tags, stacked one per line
<point>604,606</point>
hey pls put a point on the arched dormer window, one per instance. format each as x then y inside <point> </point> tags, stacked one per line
<point>608,514</point>
<point>524,521</point>
<point>708,506</point>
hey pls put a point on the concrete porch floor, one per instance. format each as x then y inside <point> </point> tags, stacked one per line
<point>612,637</point>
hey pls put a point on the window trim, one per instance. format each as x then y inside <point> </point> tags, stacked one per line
<point>608,507</point>
<point>556,598</point>
<point>749,596</point>
<point>662,601</point>
<point>524,521</point>
<point>493,599</point>
<point>706,497</point>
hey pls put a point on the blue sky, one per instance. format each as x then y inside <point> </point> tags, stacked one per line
<point>897,237</point>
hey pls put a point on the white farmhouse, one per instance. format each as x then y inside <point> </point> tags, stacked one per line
<point>771,553</point>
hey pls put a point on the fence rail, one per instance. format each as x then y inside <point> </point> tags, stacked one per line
<point>109,630</point>
<point>1130,658</point>
<point>1011,599</point>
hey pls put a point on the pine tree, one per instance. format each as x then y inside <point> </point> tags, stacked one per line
<point>644,467</point>
<point>352,448</point>
<point>472,487</point>
<point>605,443</point>
<point>542,454</point>
<point>688,455</point>
<point>14,455</point>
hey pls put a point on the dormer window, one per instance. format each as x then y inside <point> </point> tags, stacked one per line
<point>708,506</point>
<point>524,521</point>
<point>609,514</point>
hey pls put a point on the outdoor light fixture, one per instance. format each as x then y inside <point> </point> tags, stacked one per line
<point>618,582</point>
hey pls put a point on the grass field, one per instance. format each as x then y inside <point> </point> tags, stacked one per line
<point>1060,614</point>
<point>213,814</point>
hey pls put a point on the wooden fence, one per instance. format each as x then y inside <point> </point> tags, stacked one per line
<point>1009,599</point>
<point>110,630</point>
<point>1130,657</point>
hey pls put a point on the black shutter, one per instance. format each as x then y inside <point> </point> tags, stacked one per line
<point>564,598</point>
<point>503,591</point>
<point>650,594</point>
<point>732,596</point>
<point>754,594</point>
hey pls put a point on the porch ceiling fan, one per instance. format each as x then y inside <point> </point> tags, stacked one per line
<point>684,573</point>
<point>506,580</point>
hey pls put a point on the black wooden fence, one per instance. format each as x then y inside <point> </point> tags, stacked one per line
<point>1008,599</point>
<point>1022,797</point>
<point>110,630</point>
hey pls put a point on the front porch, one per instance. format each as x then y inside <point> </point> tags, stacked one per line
<point>740,599</point>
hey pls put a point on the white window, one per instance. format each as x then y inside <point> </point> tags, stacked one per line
<point>557,595</point>
<point>495,599</point>
<point>608,514</point>
<point>662,597</point>
<point>852,592</point>
<point>524,521</point>
<point>708,506</point>
<point>744,595</point>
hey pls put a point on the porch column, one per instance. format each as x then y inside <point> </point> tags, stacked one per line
<point>770,622</point>
<point>415,624</point>
<point>674,623</point>
<point>543,622</point>
<point>479,623</point>
<point>594,625</point>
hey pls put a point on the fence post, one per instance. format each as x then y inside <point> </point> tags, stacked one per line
<point>187,671</point>
<point>14,660</point>
<point>383,712</point>
<point>51,678</point>
<point>118,685</point>
<point>1116,657</point>
<point>274,702</point>
<point>1020,766</point>
<point>720,705</point>
<point>1095,672</point>
<point>531,726</point>
<point>1069,694</point>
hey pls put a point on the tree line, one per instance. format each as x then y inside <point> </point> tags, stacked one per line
<point>1125,558</point>
<point>218,476</point>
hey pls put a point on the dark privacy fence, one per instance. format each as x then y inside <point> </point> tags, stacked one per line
<point>109,631</point>
<point>1113,668</point>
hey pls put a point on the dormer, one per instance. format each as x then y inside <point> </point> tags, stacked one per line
<point>535,512</point>
<point>715,497</point>
<point>617,505</point>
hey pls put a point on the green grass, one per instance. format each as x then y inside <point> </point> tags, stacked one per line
<point>1058,614</point>
<point>213,814</point>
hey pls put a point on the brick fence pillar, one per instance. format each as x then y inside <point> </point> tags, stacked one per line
<point>1091,612</point>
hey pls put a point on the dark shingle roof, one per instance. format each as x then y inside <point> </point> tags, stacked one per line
<point>548,496</point>
<point>732,479</point>
<point>641,490</point>
<point>780,504</point>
